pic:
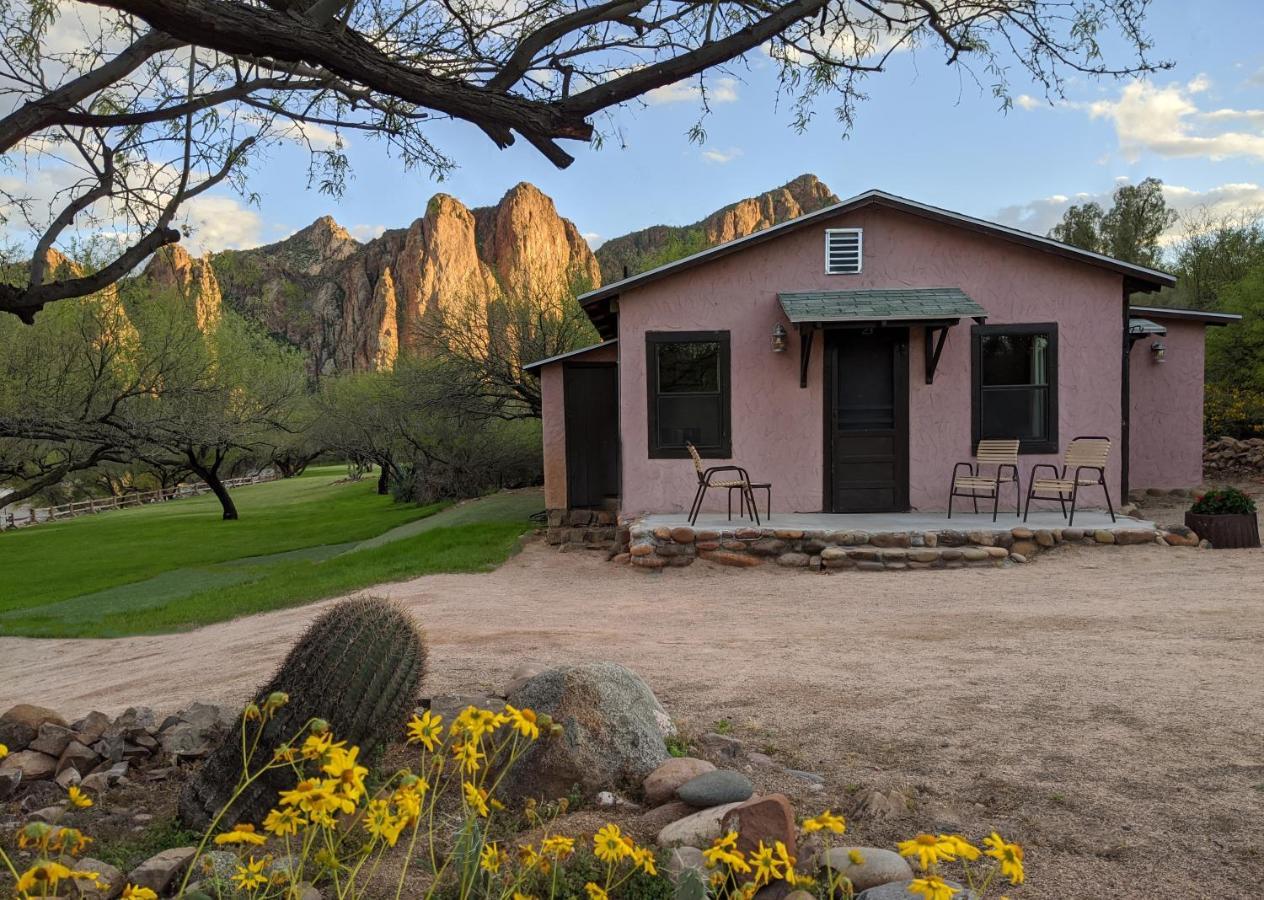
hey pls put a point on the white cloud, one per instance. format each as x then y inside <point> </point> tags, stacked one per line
<point>594,239</point>
<point>719,90</point>
<point>366,233</point>
<point>721,157</point>
<point>1166,121</point>
<point>1225,200</point>
<point>220,223</point>
<point>1026,101</point>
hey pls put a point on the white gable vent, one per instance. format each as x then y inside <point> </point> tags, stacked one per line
<point>842,251</point>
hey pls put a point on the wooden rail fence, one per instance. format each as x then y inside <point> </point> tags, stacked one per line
<point>23,518</point>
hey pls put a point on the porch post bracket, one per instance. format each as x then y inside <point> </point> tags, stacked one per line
<point>805,353</point>
<point>934,348</point>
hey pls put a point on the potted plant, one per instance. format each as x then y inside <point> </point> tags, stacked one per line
<point>1226,517</point>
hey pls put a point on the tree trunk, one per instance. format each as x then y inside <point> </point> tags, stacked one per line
<point>210,474</point>
<point>383,480</point>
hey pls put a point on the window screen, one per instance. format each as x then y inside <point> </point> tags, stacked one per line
<point>1016,385</point>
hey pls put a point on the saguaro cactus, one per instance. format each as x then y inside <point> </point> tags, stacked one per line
<point>358,667</point>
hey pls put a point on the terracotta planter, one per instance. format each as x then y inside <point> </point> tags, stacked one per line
<point>1227,531</point>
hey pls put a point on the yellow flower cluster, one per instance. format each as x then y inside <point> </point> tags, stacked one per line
<point>930,850</point>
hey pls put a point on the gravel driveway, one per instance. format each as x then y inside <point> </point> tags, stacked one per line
<point>1104,706</point>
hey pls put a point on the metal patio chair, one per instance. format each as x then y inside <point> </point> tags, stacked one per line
<point>1002,456</point>
<point>743,484</point>
<point>1085,457</point>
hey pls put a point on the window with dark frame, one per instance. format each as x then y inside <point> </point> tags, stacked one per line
<point>687,373</point>
<point>1015,384</point>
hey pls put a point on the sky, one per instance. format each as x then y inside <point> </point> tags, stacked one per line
<point>926,132</point>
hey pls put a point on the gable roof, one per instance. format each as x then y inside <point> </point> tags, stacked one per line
<point>1136,278</point>
<point>900,304</point>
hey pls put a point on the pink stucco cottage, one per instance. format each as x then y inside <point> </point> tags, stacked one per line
<point>851,356</point>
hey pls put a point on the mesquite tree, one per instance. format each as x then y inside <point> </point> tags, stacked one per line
<point>122,111</point>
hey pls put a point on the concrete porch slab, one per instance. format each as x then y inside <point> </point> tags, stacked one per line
<point>1089,519</point>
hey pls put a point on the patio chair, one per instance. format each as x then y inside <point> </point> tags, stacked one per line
<point>742,484</point>
<point>1086,458</point>
<point>1002,455</point>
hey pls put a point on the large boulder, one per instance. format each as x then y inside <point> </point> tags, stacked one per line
<point>613,731</point>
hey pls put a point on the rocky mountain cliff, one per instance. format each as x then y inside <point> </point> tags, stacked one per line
<point>355,306</point>
<point>659,244</point>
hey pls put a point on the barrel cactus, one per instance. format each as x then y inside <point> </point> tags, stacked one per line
<point>358,667</point>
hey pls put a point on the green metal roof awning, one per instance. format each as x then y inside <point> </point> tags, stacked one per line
<point>1139,327</point>
<point>899,305</point>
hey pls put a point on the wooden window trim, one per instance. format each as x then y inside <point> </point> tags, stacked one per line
<point>1050,329</point>
<point>724,450</point>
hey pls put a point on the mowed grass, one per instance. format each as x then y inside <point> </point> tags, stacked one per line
<point>176,565</point>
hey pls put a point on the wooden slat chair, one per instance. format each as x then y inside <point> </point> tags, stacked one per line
<point>1002,456</point>
<point>706,479</point>
<point>1086,459</point>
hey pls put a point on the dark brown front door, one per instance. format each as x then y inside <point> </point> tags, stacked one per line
<point>592,433</point>
<point>866,419</point>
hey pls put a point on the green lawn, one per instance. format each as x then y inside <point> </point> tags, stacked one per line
<point>176,565</point>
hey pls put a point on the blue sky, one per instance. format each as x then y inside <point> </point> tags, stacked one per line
<point>925,132</point>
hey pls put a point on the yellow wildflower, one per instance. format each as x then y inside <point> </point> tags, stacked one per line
<point>785,860</point>
<point>241,834</point>
<point>523,721</point>
<point>643,857</point>
<point>960,846</point>
<point>78,798</point>
<point>558,846</point>
<point>767,867</point>
<point>69,840</point>
<point>608,845</point>
<point>4,751</point>
<point>476,722</point>
<point>826,821</point>
<point>928,850</point>
<point>43,877</point>
<point>723,851</point>
<point>855,857</point>
<point>343,768</point>
<point>932,887</point>
<point>34,834</point>
<point>1010,856</point>
<point>380,822</point>
<point>475,798</point>
<point>284,821</point>
<point>425,730</point>
<point>137,892</point>
<point>408,798</point>
<point>318,744</point>
<point>308,795</point>
<point>468,754</point>
<point>250,876</point>
<point>530,859</point>
<point>595,892</point>
<point>518,896</point>
<point>492,858</point>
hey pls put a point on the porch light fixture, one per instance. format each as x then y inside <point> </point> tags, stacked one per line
<point>778,338</point>
<point>1158,351</point>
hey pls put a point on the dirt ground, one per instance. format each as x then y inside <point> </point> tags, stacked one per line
<point>1103,706</point>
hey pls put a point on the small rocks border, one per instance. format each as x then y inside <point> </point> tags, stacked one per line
<point>584,529</point>
<point>659,547</point>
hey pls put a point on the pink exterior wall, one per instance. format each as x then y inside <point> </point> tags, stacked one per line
<point>553,412</point>
<point>778,426</point>
<point>1166,424</point>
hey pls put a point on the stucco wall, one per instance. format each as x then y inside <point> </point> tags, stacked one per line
<point>778,427</point>
<point>553,411</point>
<point>1167,409</point>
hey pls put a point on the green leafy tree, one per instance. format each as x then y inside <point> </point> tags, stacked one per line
<point>1235,355</point>
<point>1215,252</point>
<point>1130,230</point>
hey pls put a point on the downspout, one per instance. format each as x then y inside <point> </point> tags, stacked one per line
<point>1125,399</point>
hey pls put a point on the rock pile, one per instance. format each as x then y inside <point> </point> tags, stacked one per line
<point>96,752</point>
<point>1239,455</point>
<point>660,546</point>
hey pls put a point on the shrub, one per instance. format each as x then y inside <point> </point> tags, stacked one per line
<point>357,668</point>
<point>1223,502</point>
<point>1233,412</point>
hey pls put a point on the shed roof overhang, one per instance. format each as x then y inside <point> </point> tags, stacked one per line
<point>936,309</point>
<point>539,363</point>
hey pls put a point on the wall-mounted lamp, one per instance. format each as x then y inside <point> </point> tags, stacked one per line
<point>1158,351</point>
<point>778,338</point>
